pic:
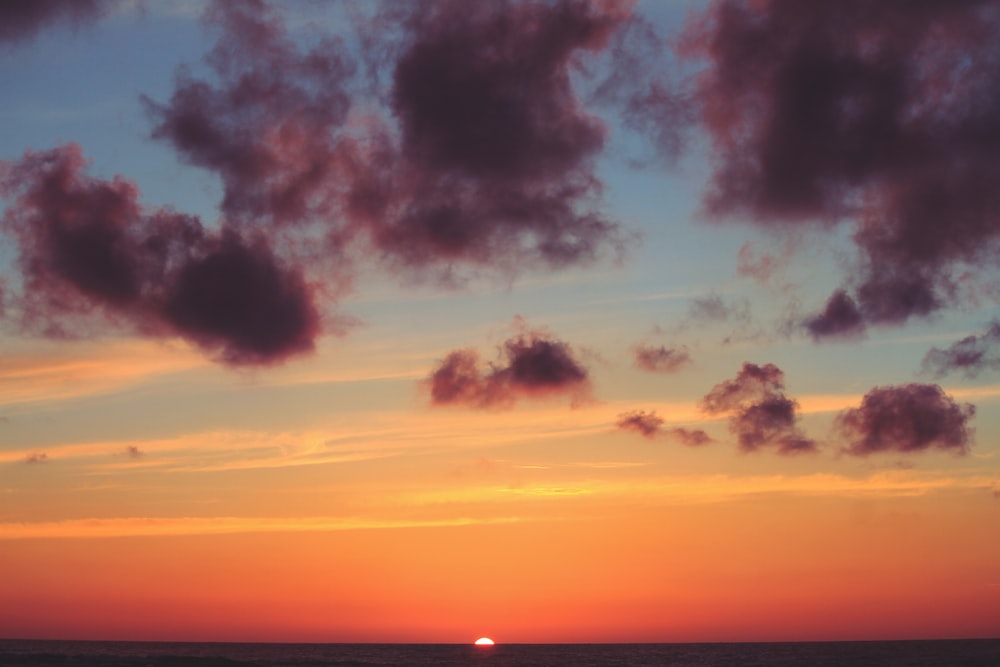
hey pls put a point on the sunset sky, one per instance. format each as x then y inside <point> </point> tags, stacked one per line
<point>550,321</point>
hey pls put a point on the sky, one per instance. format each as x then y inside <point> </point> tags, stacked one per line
<point>550,321</point>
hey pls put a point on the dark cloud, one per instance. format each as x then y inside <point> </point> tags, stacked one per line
<point>87,248</point>
<point>646,424</point>
<point>971,355</point>
<point>268,123</point>
<point>134,452</point>
<point>839,319</point>
<point>660,359</point>
<point>23,19</point>
<point>884,112</point>
<point>650,425</point>
<point>906,418</point>
<point>38,457</point>
<point>494,160</point>
<point>530,364</point>
<point>761,414</point>
<point>486,158</point>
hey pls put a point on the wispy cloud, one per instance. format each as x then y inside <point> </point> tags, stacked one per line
<point>164,526</point>
<point>47,374</point>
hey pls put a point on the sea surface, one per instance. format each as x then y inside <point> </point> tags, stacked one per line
<point>943,653</point>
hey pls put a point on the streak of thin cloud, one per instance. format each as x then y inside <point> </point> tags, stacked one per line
<point>161,526</point>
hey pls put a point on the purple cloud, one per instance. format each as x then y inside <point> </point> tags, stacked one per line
<point>21,20</point>
<point>905,419</point>
<point>87,249</point>
<point>877,111</point>
<point>761,414</point>
<point>531,364</point>
<point>971,355</point>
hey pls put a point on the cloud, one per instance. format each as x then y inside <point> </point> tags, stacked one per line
<point>906,418</point>
<point>494,161</point>
<point>650,425</point>
<point>874,111</point>
<point>269,123</point>
<point>971,355</point>
<point>21,20</point>
<point>39,457</point>
<point>646,424</point>
<point>839,319</point>
<point>133,452</point>
<point>89,251</point>
<point>641,86</point>
<point>660,359</point>
<point>483,157</point>
<point>761,414</point>
<point>531,364</point>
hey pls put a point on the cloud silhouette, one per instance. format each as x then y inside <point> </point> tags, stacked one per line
<point>87,248</point>
<point>971,355</point>
<point>650,425</point>
<point>882,112</point>
<point>647,424</point>
<point>530,364</point>
<point>905,419</point>
<point>761,414</point>
<point>840,319</point>
<point>494,163</point>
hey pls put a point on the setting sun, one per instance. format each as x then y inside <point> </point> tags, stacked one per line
<point>484,641</point>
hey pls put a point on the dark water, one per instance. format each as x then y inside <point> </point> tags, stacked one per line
<point>25,653</point>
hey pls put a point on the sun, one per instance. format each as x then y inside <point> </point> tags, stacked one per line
<point>484,641</point>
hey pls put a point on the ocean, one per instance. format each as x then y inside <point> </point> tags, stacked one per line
<point>939,653</point>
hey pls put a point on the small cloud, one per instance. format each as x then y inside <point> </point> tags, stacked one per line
<point>761,414</point>
<point>37,457</point>
<point>646,424</point>
<point>971,355</point>
<point>713,308</point>
<point>660,359</point>
<point>134,452</point>
<point>530,364</point>
<point>905,419</point>
<point>689,437</point>
<point>650,425</point>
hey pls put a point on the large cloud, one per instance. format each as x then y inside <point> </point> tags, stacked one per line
<point>530,364</point>
<point>761,414</point>
<point>907,418</point>
<point>269,123</point>
<point>494,163</point>
<point>485,158</point>
<point>86,246</point>
<point>884,112</point>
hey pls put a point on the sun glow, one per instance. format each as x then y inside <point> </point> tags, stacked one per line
<point>484,641</point>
